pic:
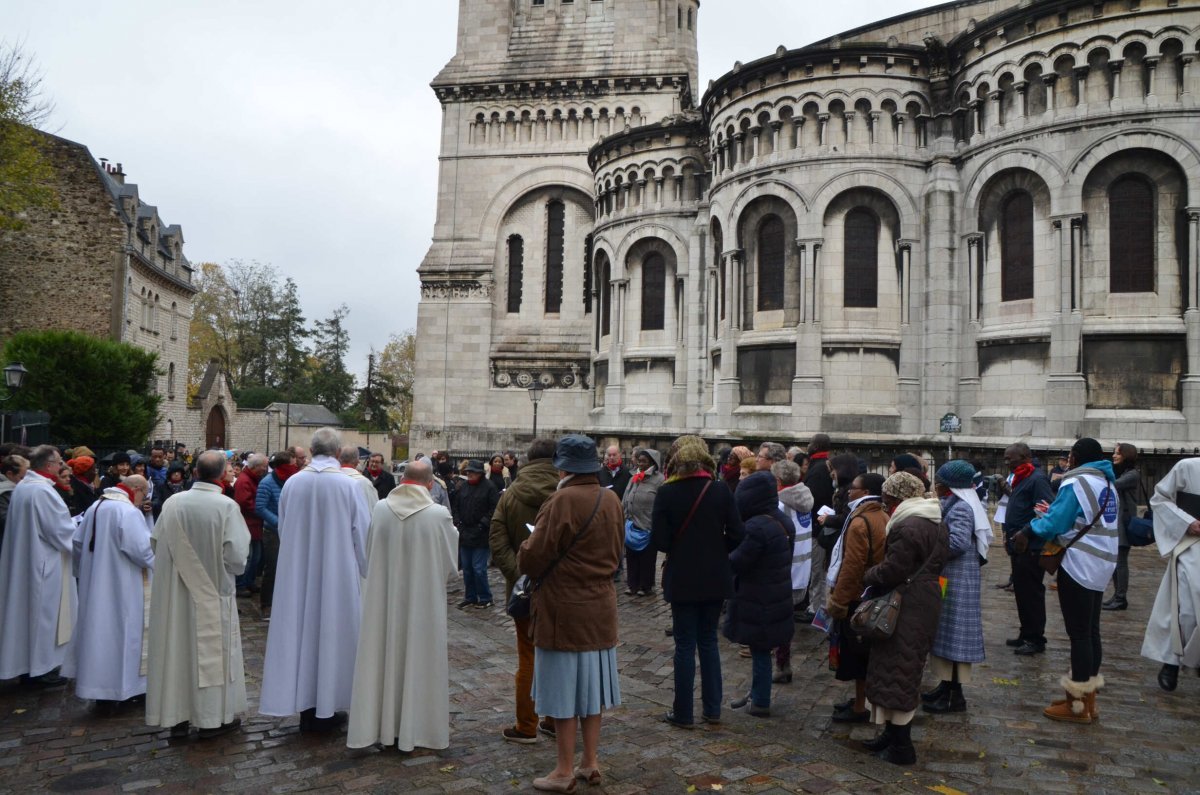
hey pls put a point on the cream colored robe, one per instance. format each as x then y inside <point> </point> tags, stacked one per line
<point>401,690</point>
<point>1173,632</point>
<point>195,670</point>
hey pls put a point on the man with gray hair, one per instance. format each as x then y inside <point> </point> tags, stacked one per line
<point>245,494</point>
<point>194,669</point>
<point>769,453</point>
<point>348,458</point>
<point>309,662</point>
<point>37,593</point>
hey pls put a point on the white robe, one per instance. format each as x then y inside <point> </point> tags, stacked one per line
<point>365,485</point>
<point>195,671</point>
<point>401,684</point>
<point>37,593</point>
<point>113,561</point>
<point>1173,632</point>
<point>309,662</point>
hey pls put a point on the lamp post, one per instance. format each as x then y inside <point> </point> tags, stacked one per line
<point>367,422</point>
<point>14,379</point>
<point>535,397</point>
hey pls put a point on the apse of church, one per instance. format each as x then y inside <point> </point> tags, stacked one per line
<point>988,208</point>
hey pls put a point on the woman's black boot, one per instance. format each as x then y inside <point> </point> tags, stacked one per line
<point>882,741</point>
<point>901,751</point>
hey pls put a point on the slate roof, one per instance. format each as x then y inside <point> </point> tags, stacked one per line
<point>305,414</point>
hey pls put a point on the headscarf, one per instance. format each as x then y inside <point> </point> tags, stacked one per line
<point>688,456</point>
<point>959,477</point>
<point>904,486</point>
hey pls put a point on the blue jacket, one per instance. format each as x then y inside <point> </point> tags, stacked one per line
<point>760,612</point>
<point>266,501</point>
<point>1065,509</point>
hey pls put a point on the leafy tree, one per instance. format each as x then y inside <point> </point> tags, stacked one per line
<point>212,329</point>
<point>25,173</point>
<point>380,395</point>
<point>397,362</point>
<point>96,391</point>
<point>258,397</point>
<point>333,385</point>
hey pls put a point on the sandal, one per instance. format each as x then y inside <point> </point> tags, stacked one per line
<point>548,784</point>
<point>591,775</point>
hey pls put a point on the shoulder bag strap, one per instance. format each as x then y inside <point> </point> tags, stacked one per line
<point>1099,513</point>
<point>550,568</point>
<point>691,513</point>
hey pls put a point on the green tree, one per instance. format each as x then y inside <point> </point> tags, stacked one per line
<point>332,384</point>
<point>96,391</point>
<point>397,361</point>
<point>25,173</point>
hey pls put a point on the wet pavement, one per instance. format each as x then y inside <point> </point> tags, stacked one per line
<point>1146,740</point>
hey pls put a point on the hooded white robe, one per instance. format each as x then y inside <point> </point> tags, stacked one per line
<point>1173,632</point>
<point>309,662</point>
<point>401,686</point>
<point>37,593</point>
<point>194,666</point>
<point>113,561</point>
<point>365,485</point>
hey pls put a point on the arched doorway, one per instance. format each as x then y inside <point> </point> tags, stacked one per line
<point>214,429</point>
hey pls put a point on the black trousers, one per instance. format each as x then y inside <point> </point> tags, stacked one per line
<point>270,557</point>
<point>640,568</point>
<point>1030,591</point>
<point>1081,616</point>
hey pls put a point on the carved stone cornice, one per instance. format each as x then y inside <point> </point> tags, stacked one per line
<point>514,373</point>
<point>455,289</point>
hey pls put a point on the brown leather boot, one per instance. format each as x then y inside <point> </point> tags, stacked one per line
<point>1072,709</point>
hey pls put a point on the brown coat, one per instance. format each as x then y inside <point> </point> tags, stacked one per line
<point>575,609</point>
<point>862,548</point>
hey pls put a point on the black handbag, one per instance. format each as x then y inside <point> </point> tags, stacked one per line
<point>521,598</point>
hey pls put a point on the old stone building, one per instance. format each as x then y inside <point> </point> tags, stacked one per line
<point>103,261</point>
<point>989,207</point>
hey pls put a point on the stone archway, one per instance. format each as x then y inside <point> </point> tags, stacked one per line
<point>214,430</point>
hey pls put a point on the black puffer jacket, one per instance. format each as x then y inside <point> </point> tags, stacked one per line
<point>473,508</point>
<point>760,613</point>
<point>894,672</point>
<point>697,566</point>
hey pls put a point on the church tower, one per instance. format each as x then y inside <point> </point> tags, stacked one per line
<point>506,292</point>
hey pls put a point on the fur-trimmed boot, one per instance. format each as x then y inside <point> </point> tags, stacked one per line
<point>1090,699</point>
<point>1074,708</point>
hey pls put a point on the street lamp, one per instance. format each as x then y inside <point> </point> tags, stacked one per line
<point>535,397</point>
<point>14,379</point>
<point>367,422</point>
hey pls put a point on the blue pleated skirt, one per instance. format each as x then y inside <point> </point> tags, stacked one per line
<point>575,684</point>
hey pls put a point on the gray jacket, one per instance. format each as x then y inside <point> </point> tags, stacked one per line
<point>638,501</point>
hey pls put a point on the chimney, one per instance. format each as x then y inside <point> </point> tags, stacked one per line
<point>118,174</point>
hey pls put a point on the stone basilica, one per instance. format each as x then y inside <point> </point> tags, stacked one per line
<point>988,207</point>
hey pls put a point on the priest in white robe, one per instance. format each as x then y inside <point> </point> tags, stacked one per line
<point>309,662</point>
<point>348,458</point>
<point>38,602</point>
<point>401,686</point>
<point>1173,633</point>
<point>113,560</point>
<point>195,674</point>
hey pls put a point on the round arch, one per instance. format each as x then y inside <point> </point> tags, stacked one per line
<point>1005,161</point>
<point>889,186</point>
<point>1178,149</point>
<point>543,177</point>
<point>773,188</point>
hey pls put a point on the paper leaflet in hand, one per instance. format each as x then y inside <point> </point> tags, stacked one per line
<point>825,510</point>
<point>822,620</point>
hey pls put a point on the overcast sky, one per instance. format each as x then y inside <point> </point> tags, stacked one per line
<point>304,134</point>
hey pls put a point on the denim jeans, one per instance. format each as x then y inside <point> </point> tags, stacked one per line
<point>247,577</point>
<point>474,562</point>
<point>760,677</point>
<point>694,625</point>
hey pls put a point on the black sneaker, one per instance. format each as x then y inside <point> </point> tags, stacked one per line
<point>1029,648</point>
<point>513,736</point>
<point>465,603</point>
<point>483,605</point>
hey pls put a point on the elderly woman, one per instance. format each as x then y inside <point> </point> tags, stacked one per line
<point>1128,484</point>
<point>638,503</point>
<point>696,523</point>
<point>959,640</point>
<point>731,471</point>
<point>913,557</point>
<point>572,553</point>
<point>760,613</point>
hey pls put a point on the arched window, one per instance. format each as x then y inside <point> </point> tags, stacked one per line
<point>555,230</point>
<point>604,274</point>
<point>1016,247</point>
<point>654,291</point>
<point>770,263</point>
<point>171,380</point>
<point>516,272</point>
<point>861,260</point>
<point>587,275</point>
<point>1131,235</point>
<point>689,19</point>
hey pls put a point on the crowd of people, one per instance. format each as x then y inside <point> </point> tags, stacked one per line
<point>127,582</point>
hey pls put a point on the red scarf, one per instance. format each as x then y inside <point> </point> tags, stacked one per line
<point>52,477</point>
<point>1020,473</point>
<point>638,476</point>
<point>818,456</point>
<point>125,489</point>
<point>285,471</point>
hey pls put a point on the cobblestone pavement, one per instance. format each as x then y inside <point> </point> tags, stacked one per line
<point>1145,742</point>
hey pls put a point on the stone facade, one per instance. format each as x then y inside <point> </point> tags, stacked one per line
<point>988,208</point>
<point>103,262</point>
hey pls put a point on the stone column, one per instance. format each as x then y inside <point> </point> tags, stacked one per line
<point>848,120</point>
<point>940,313</point>
<point>1185,78</point>
<point>1081,79</point>
<point>974,273</point>
<point>998,120</point>
<point>900,118</point>
<point>740,139</point>
<point>822,132</point>
<point>873,129</point>
<point>1051,83</point>
<point>1151,64</point>
<point>969,381</point>
<point>776,137</point>
<point>797,132</point>
<point>1066,387</point>
<point>1114,66</point>
<point>614,394</point>
<point>808,384</point>
<point>755,142</point>
<point>658,191</point>
<point>728,386</point>
<point>1191,321</point>
<point>1022,89</point>
<point>641,192</point>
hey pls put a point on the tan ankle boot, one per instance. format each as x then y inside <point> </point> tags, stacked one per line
<point>1072,709</point>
